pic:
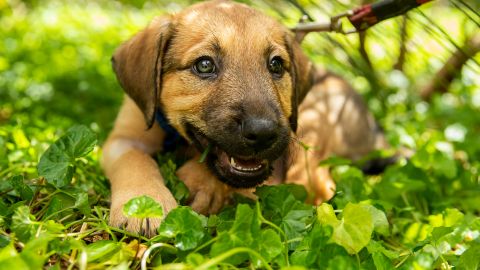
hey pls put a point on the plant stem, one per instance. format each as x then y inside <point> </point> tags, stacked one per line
<point>149,250</point>
<point>220,258</point>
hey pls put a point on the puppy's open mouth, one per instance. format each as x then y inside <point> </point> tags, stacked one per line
<point>243,166</point>
<point>235,170</point>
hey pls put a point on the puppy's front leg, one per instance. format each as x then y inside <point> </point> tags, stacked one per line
<point>207,194</point>
<point>131,170</point>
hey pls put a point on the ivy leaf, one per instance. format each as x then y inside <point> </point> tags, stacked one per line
<point>353,231</point>
<point>268,244</point>
<point>21,188</point>
<point>380,222</point>
<point>284,206</point>
<point>23,223</point>
<point>326,215</point>
<point>381,256</point>
<point>241,234</point>
<point>57,163</point>
<point>312,245</point>
<point>185,226</point>
<point>174,184</point>
<point>81,203</point>
<point>143,207</point>
<point>60,206</point>
<point>351,185</point>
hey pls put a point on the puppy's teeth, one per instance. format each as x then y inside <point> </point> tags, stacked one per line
<point>248,169</point>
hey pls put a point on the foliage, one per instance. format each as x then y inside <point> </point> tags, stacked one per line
<point>421,213</point>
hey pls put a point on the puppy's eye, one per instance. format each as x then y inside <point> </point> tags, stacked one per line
<point>275,66</point>
<point>204,67</point>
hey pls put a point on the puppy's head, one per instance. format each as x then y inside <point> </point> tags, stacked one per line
<point>227,77</point>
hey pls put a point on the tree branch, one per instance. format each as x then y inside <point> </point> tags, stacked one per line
<point>444,77</point>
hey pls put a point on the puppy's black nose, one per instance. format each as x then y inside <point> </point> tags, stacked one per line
<point>259,132</point>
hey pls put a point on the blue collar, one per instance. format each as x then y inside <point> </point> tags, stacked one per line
<point>172,137</point>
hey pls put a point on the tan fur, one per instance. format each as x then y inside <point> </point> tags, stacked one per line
<point>331,119</point>
<point>208,194</point>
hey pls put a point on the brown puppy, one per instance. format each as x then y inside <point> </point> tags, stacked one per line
<point>230,79</point>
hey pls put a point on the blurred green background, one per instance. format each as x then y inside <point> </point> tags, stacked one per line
<point>55,68</point>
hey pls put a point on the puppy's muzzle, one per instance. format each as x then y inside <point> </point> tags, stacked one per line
<point>243,149</point>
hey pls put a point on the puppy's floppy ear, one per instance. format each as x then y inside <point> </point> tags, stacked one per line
<point>138,66</point>
<point>302,72</point>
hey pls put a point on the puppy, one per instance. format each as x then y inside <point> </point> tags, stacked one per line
<point>223,78</point>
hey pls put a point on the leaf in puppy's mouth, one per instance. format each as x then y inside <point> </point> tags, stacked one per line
<point>205,153</point>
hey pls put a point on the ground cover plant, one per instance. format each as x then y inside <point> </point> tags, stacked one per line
<point>59,97</point>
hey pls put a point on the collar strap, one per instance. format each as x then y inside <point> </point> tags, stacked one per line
<point>172,137</point>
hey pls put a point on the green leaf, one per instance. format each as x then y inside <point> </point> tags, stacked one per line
<point>353,231</point>
<point>342,262</point>
<point>53,227</point>
<point>205,153</point>
<point>335,161</point>
<point>245,227</point>
<point>268,244</point>
<point>185,226</point>
<point>57,163</point>
<point>143,207</point>
<point>175,185</point>
<point>21,188</point>
<point>381,256</point>
<point>195,259</point>
<point>60,206</point>
<point>4,240</point>
<point>35,251</point>
<point>399,180</point>
<point>10,259</point>
<point>8,251</point>
<point>439,232</point>
<point>102,250</point>
<point>312,245</point>
<point>326,215</point>
<point>283,205</point>
<point>380,222</point>
<point>81,203</point>
<point>351,185</point>
<point>452,217</point>
<point>470,259</point>
<point>23,223</point>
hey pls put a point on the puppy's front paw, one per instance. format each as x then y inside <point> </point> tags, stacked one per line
<point>150,225</point>
<point>207,194</point>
